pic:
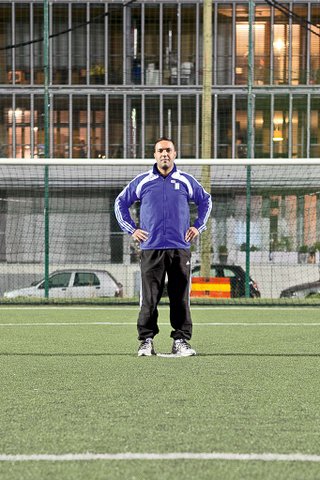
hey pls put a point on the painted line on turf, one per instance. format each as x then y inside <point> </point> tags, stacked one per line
<point>198,324</point>
<point>257,324</point>
<point>161,307</point>
<point>72,457</point>
<point>65,324</point>
<point>169,355</point>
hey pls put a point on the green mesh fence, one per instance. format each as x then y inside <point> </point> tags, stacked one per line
<point>84,236</point>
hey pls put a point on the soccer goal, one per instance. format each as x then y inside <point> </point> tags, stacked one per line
<point>59,237</point>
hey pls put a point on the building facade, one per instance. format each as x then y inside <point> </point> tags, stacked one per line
<point>120,76</point>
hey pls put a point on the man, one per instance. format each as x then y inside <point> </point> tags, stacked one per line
<point>164,235</point>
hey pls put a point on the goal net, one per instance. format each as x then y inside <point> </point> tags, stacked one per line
<point>57,224</point>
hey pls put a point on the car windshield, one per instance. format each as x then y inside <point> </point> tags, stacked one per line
<point>58,280</point>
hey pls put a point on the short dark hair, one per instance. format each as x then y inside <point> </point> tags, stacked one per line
<point>163,139</point>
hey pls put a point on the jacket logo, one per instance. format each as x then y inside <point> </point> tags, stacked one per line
<point>176,184</point>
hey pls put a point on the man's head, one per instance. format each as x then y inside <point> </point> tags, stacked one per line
<point>164,154</point>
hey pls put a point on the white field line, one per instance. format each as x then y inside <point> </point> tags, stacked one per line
<point>161,307</point>
<point>76,457</point>
<point>204,324</point>
<point>257,324</point>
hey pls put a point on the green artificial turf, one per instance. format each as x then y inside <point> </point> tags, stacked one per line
<point>71,384</point>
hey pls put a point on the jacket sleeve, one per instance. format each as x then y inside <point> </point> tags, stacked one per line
<point>204,204</point>
<point>121,207</point>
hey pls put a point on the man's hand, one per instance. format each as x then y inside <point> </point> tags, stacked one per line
<point>140,235</point>
<point>191,234</point>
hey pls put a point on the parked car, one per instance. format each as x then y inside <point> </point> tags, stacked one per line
<point>304,290</point>
<point>237,279</point>
<point>73,284</point>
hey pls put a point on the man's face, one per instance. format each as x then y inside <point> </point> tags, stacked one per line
<point>165,155</point>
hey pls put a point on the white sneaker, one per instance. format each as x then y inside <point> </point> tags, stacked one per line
<point>182,348</point>
<point>146,348</point>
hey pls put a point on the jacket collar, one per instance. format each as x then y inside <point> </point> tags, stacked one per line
<point>156,171</point>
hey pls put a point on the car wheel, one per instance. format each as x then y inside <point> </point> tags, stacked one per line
<point>311,294</point>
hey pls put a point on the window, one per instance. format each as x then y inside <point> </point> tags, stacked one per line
<point>86,279</point>
<point>170,116</point>
<point>115,44</point>
<point>299,126</point>
<point>5,39</point>
<point>58,280</point>
<point>21,72</point>
<point>188,130</point>
<point>315,46</point>
<point>79,123</point>
<point>241,127</point>
<point>170,44</point>
<point>60,47</point>
<point>134,130</point>
<point>97,47</point>
<point>315,127</point>
<point>98,127</point>
<point>224,126</point>
<point>228,273</point>
<point>78,43</point>
<point>61,125</point>
<point>262,38</point>
<point>19,133</point>
<point>133,65</point>
<point>281,126</point>
<point>262,123</point>
<point>188,44</point>
<point>152,131</point>
<point>299,46</point>
<point>152,48</point>
<point>224,45</point>
<point>115,123</point>
<point>280,49</point>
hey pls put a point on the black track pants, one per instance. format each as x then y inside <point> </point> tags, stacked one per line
<point>154,266</point>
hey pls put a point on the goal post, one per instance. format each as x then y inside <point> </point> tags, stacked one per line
<point>69,225</point>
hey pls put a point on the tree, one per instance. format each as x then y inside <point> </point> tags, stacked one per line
<point>206,238</point>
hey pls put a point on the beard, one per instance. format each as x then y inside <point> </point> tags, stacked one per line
<point>165,164</point>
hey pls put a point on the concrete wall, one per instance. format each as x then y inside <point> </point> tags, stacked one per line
<point>270,278</point>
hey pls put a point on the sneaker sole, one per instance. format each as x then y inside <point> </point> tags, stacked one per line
<point>178,354</point>
<point>147,354</point>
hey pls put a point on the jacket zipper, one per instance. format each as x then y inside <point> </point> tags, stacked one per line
<point>164,196</point>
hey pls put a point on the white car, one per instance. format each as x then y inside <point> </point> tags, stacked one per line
<point>304,290</point>
<point>73,284</point>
